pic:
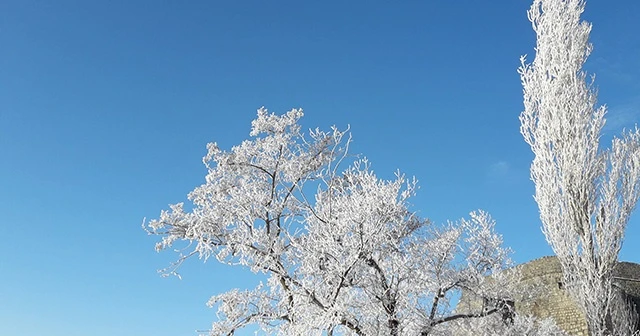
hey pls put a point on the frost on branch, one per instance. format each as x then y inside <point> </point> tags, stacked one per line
<point>585,194</point>
<point>343,252</point>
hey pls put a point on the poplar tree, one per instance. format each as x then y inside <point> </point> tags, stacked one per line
<point>585,194</point>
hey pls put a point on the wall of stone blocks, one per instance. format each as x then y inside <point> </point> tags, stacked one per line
<point>543,293</point>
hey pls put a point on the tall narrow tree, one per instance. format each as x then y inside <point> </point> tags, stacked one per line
<point>585,194</point>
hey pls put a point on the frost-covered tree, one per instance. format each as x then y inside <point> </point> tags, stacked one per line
<point>585,194</point>
<point>341,250</point>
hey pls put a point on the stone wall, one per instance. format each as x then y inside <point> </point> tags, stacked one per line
<point>542,279</point>
<point>543,294</point>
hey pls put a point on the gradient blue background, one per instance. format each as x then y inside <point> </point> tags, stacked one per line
<point>106,107</point>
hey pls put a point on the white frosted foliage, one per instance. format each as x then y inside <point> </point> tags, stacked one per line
<point>341,249</point>
<point>585,194</point>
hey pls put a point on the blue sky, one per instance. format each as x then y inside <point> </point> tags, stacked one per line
<point>106,108</point>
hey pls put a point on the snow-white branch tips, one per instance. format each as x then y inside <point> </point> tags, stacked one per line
<point>343,252</point>
<point>585,194</point>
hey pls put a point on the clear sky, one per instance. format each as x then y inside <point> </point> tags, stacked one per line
<point>106,108</point>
